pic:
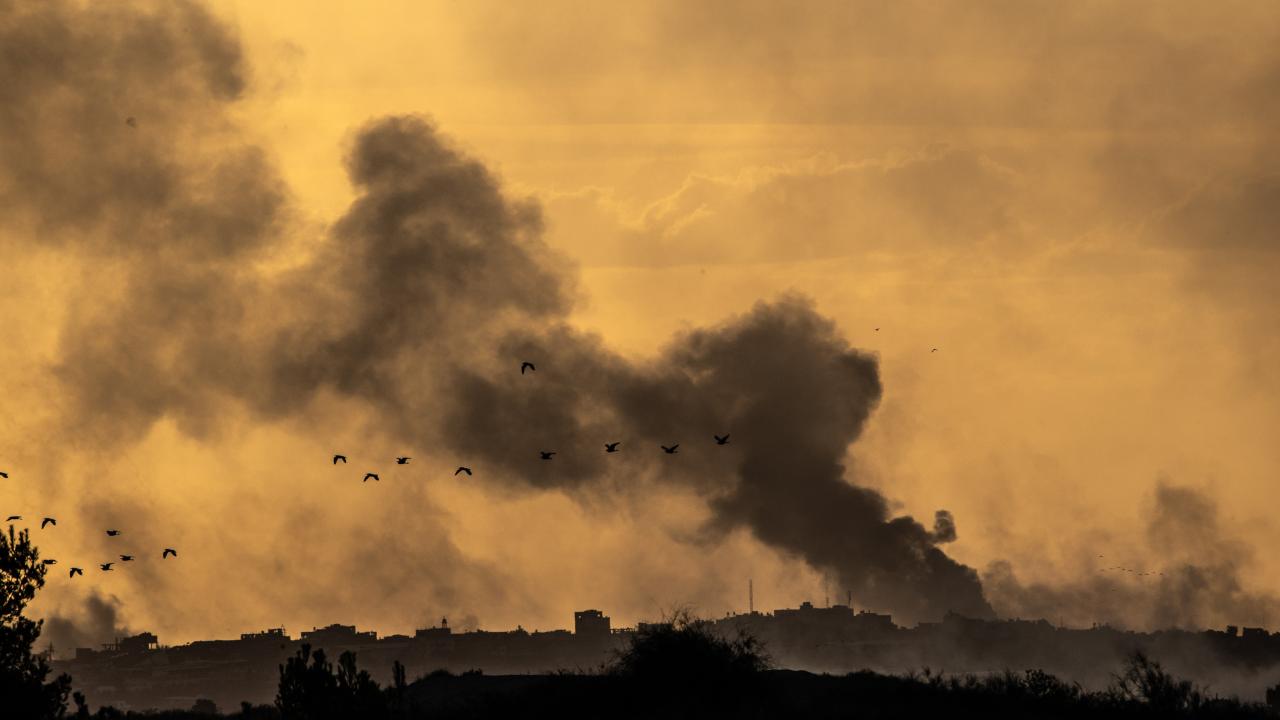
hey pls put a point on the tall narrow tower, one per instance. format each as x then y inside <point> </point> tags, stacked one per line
<point>751,597</point>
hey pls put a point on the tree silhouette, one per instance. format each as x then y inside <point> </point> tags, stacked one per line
<point>23,673</point>
<point>310,690</point>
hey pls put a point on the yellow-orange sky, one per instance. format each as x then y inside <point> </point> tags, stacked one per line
<point>1076,203</point>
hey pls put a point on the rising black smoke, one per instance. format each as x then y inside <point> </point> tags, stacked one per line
<point>419,303</point>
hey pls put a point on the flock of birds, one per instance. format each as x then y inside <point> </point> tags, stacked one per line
<point>526,366</point>
<point>1131,571</point>
<point>106,566</point>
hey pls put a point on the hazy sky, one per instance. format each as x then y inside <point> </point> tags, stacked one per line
<point>1076,203</point>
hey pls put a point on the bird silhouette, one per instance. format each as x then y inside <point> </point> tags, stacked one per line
<point>611,447</point>
<point>934,350</point>
<point>371,475</point>
<point>75,571</point>
<point>670,450</point>
<point>112,533</point>
<point>721,440</point>
<point>11,518</point>
<point>546,455</point>
<point>47,521</point>
<point>131,121</point>
<point>106,566</point>
<point>526,365</point>
<point>403,460</point>
<point>462,469</point>
<point>126,558</point>
<point>50,561</point>
<point>877,329</point>
<point>336,458</point>
<point>167,552</point>
<point>3,474</point>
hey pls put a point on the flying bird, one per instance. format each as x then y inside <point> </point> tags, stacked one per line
<point>526,365</point>
<point>126,558</point>
<point>11,518</point>
<point>877,329</point>
<point>371,475</point>
<point>336,458</point>
<point>112,533</point>
<point>721,440</point>
<point>546,455</point>
<point>75,571</point>
<point>106,566</point>
<point>403,460</point>
<point>670,450</point>
<point>611,447</point>
<point>462,469</point>
<point>47,521</point>
<point>3,474</point>
<point>934,350</point>
<point>131,121</point>
<point>167,552</point>
<point>50,561</point>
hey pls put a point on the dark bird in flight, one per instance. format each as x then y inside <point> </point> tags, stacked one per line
<point>75,571</point>
<point>546,455</point>
<point>131,121</point>
<point>462,469</point>
<point>336,458</point>
<point>611,447</point>
<point>47,521</point>
<point>50,561</point>
<point>526,365</point>
<point>11,518</point>
<point>934,350</point>
<point>106,566</point>
<point>371,475</point>
<point>403,460</point>
<point>721,440</point>
<point>3,474</point>
<point>877,329</point>
<point>112,533</point>
<point>126,558</point>
<point>167,552</point>
<point>670,450</point>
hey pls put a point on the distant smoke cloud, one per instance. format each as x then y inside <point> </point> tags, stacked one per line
<point>91,625</point>
<point>1199,582</point>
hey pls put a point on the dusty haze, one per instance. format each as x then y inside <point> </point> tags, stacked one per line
<point>329,230</point>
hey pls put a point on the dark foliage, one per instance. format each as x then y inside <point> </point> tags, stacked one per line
<point>681,669</point>
<point>311,690</point>
<point>24,691</point>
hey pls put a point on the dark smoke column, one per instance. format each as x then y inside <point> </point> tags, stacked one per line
<point>803,397</point>
<point>448,273</point>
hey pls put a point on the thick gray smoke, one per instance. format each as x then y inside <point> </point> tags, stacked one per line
<point>89,627</point>
<point>420,303</point>
<point>1199,583</point>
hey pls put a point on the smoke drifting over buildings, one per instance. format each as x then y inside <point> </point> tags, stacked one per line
<point>199,295</point>
<point>421,301</point>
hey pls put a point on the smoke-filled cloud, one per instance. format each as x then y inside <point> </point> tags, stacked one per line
<point>1198,580</point>
<point>195,343</point>
<point>89,626</point>
<point>415,310</point>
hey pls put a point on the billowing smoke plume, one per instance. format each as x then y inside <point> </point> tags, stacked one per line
<point>88,627</point>
<point>1197,583</point>
<point>419,304</point>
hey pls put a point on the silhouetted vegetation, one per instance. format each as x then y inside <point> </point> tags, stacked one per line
<point>680,669</point>
<point>24,692</point>
<point>310,689</point>
<point>677,669</point>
